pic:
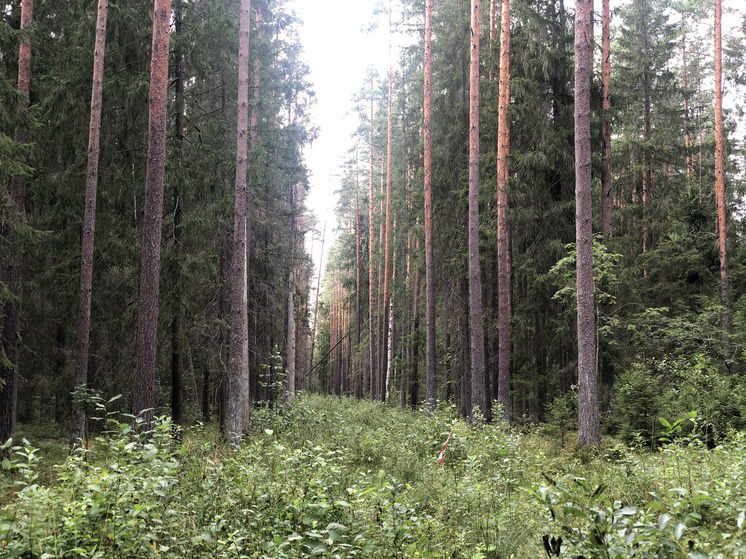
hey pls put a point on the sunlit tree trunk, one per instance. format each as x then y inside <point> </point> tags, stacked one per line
<point>503,233</point>
<point>78,431</point>
<point>588,424</point>
<point>719,167</point>
<point>238,384</point>
<point>147,318</point>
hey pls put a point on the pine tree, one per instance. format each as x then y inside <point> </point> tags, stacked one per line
<point>431,380</point>
<point>722,227</point>
<point>476,331</point>
<point>588,423</point>
<point>89,223</point>
<point>11,334</point>
<point>238,387</point>
<point>503,233</point>
<point>147,321</point>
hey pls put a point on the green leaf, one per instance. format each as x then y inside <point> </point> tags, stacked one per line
<point>678,531</point>
<point>663,520</point>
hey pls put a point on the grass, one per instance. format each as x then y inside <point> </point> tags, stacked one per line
<point>339,478</point>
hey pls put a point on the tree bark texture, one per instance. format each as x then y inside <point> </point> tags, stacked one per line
<point>504,281</point>
<point>177,388</point>
<point>606,199</point>
<point>431,387</point>
<point>387,248</point>
<point>720,167</point>
<point>143,400</point>
<point>290,342</point>
<point>11,335</point>
<point>478,392</point>
<point>238,384</point>
<point>371,284</point>
<point>588,422</point>
<point>77,433</point>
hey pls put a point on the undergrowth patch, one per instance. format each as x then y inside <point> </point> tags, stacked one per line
<point>339,478</point>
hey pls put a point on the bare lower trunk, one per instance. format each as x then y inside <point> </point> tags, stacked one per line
<point>431,387</point>
<point>78,431</point>
<point>503,233</point>
<point>11,333</point>
<point>719,168</point>
<point>478,392</point>
<point>147,319</point>
<point>588,424</point>
<point>238,386</point>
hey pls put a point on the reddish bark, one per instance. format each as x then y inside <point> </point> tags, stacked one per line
<point>719,168</point>
<point>11,334</point>
<point>504,280</point>
<point>431,388</point>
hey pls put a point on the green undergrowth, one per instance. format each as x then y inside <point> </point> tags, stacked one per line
<point>339,478</point>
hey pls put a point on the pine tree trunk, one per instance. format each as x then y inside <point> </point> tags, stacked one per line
<point>177,388</point>
<point>11,334</point>
<point>77,434</point>
<point>387,248</point>
<point>588,423</point>
<point>476,333</point>
<point>431,387</point>
<point>371,275</point>
<point>290,343</point>
<point>316,311</point>
<point>504,280</point>
<point>606,200</point>
<point>147,319</point>
<point>719,168</point>
<point>238,387</point>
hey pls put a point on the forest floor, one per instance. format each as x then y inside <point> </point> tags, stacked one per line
<point>334,477</point>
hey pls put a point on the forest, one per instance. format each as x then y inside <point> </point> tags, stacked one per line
<point>533,274</point>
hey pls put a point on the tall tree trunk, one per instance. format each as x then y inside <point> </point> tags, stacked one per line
<point>687,123</point>
<point>431,387</point>
<point>11,334</point>
<point>478,392</point>
<point>463,334</point>
<point>290,343</point>
<point>238,388</point>
<point>647,176</point>
<point>177,390</point>
<point>147,318</point>
<point>606,200</point>
<point>387,248</point>
<point>316,311</point>
<point>720,167</point>
<point>78,431</point>
<point>504,281</point>
<point>371,275</point>
<point>588,423</point>
<point>414,383</point>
